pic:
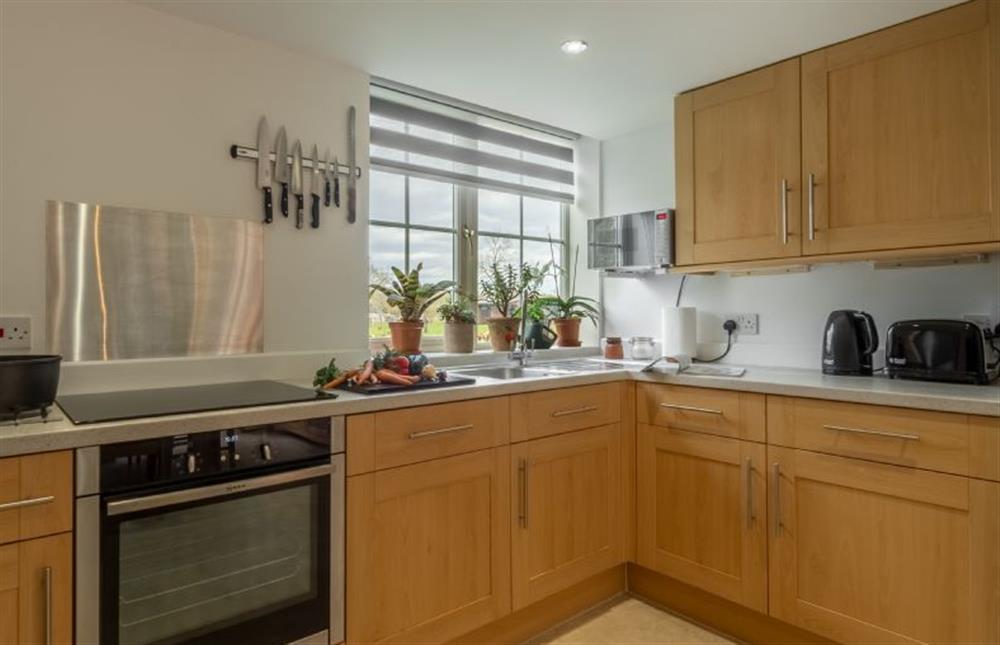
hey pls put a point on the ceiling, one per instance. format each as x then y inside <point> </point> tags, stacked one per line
<point>505,54</point>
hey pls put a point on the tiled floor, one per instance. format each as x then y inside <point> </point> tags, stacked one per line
<point>633,622</point>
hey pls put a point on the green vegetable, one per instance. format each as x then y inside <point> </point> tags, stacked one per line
<point>386,359</point>
<point>326,374</point>
<point>417,364</point>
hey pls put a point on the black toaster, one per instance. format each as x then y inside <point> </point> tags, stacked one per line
<point>955,351</point>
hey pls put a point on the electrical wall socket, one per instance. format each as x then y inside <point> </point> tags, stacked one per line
<point>746,324</point>
<point>15,332</point>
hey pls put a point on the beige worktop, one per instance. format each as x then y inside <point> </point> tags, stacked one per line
<point>62,434</point>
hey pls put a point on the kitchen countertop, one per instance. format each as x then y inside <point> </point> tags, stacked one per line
<point>62,434</point>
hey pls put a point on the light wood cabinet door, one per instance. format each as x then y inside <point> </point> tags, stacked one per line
<point>567,526</point>
<point>900,135</point>
<point>738,167</point>
<point>36,582</point>
<point>702,512</point>
<point>428,549</point>
<point>36,495</point>
<point>862,552</point>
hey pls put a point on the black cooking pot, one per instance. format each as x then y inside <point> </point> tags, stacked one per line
<point>28,382</point>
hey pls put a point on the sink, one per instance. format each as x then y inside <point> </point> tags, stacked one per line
<point>536,370</point>
<point>503,373</point>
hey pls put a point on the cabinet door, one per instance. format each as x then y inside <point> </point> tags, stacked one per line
<point>36,582</point>
<point>701,508</point>
<point>567,526</point>
<point>899,135</point>
<point>737,150</point>
<point>866,552</point>
<point>428,549</point>
<point>36,495</point>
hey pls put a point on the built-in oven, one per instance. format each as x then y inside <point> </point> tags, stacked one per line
<point>230,536</point>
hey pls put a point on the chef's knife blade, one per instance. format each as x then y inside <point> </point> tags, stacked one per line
<point>297,182</point>
<point>281,168</point>
<point>352,189</point>
<point>316,188</point>
<point>336,182</point>
<point>264,166</point>
<point>326,178</point>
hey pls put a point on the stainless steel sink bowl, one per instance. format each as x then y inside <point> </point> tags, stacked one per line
<point>536,370</point>
<point>502,373</point>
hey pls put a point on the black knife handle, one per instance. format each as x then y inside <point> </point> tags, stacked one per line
<point>299,211</point>
<point>268,207</point>
<point>326,193</point>
<point>336,192</point>
<point>284,199</point>
<point>314,219</point>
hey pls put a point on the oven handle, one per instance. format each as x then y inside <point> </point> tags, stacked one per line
<point>145,503</point>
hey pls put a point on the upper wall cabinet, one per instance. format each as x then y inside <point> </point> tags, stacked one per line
<point>899,134</point>
<point>738,154</point>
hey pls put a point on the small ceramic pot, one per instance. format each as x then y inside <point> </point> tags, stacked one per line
<point>405,336</point>
<point>503,333</point>
<point>459,337</point>
<point>568,332</point>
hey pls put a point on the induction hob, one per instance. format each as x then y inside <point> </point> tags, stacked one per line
<point>134,404</point>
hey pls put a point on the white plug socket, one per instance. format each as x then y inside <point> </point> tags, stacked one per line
<point>746,323</point>
<point>15,332</point>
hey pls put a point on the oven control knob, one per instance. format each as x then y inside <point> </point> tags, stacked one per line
<point>265,452</point>
<point>192,464</point>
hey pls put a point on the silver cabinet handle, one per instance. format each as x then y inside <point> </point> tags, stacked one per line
<point>566,413</point>
<point>25,503</point>
<point>431,433</point>
<point>751,516</point>
<point>875,433</point>
<point>784,211</point>
<point>812,206</point>
<point>47,587</point>
<point>522,486</point>
<point>776,496</point>
<point>689,408</point>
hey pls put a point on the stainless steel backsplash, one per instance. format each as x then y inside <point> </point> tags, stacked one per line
<point>128,283</point>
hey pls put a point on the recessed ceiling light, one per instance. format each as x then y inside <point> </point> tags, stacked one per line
<point>574,46</point>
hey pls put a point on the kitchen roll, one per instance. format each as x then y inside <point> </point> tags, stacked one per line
<point>678,329</point>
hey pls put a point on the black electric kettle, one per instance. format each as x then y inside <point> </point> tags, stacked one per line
<point>849,340</point>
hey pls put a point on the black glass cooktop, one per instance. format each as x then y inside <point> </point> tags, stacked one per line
<point>133,404</point>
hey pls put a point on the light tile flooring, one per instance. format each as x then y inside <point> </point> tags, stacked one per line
<point>633,622</point>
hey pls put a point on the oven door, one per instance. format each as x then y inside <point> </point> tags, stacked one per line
<point>245,561</point>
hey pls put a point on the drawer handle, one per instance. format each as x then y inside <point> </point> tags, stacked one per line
<point>876,433</point>
<point>776,492</point>
<point>522,484</point>
<point>566,413</point>
<point>689,408</point>
<point>25,503</point>
<point>430,433</point>
<point>751,515</point>
<point>47,585</point>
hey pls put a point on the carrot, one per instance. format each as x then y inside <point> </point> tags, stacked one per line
<point>337,382</point>
<point>365,373</point>
<point>388,376</point>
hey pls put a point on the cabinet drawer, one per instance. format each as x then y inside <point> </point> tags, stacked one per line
<point>36,495</point>
<point>540,414</point>
<point>916,438</point>
<point>417,434</point>
<point>720,412</point>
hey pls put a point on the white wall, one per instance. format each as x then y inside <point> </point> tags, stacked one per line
<point>588,206</point>
<point>638,174</point>
<point>119,104</point>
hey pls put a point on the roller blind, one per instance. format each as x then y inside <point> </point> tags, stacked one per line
<point>424,138</point>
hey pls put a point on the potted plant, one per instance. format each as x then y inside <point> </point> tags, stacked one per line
<point>567,311</point>
<point>501,287</point>
<point>412,299</point>
<point>538,335</point>
<point>459,326</point>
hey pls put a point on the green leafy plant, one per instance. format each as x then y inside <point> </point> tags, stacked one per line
<point>503,284</point>
<point>326,374</point>
<point>567,305</point>
<point>458,311</point>
<point>408,295</point>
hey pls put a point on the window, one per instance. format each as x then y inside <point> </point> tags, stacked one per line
<point>454,195</point>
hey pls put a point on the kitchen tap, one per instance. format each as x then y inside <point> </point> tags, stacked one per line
<point>520,352</point>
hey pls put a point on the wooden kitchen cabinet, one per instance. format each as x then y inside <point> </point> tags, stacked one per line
<point>428,549</point>
<point>899,134</point>
<point>36,495</point>
<point>869,552</point>
<point>36,591</point>
<point>702,512</point>
<point>738,168</point>
<point>567,517</point>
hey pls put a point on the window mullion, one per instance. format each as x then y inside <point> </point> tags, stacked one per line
<point>406,224</point>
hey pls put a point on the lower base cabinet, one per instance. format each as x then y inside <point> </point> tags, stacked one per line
<point>701,510</point>
<point>36,591</point>
<point>867,552</point>
<point>567,519</point>
<point>428,549</point>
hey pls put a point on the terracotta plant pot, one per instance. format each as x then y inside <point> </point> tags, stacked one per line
<point>406,336</point>
<point>459,337</point>
<point>568,330</point>
<point>503,333</point>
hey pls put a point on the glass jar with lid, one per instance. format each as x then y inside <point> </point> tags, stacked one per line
<point>642,347</point>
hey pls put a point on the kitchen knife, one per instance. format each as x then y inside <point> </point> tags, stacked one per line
<point>352,188</point>
<point>281,168</point>
<point>336,182</point>
<point>264,166</point>
<point>297,183</point>
<point>316,187</point>
<point>326,178</point>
